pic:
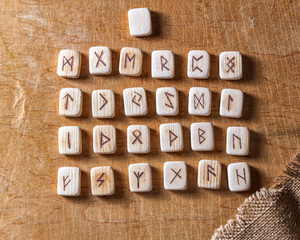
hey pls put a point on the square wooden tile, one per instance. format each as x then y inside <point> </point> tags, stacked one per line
<point>162,64</point>
<point>231,104</point>
<point>140,22</point>
<point>209,174</point>
<point>70,102</point>
<point>171,138</point>
<point>103,103</point>
<point>69,140</point>
<point>102,181</point>
<point>175,175</point>
<point>198,64</point>
<point>69,64</point>
<point>230,65</point>
<point>167,103</point>
<point>100,60</point>
<point>104,139</point>
<point>138,139</point>
<point>238,141</point>
<point>69,181</point>
<point>131,60</point>
<point>239,177</point>
<point>202,136</point>
<point>135,101</point>
<point>140,178</point>
<point>199,101</point>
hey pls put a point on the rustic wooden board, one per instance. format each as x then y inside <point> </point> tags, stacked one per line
<point>31,35</point>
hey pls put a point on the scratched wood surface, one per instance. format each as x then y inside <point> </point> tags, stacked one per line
<point>31,35</point>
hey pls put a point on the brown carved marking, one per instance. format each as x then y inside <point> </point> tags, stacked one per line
<point>129,59</point>
<point>230,64</point>
<point>101,180</point>
<point>199,101</point>
<point>137,135</point>
<point>104,139</point>
<point>197,59</point>
<point>200,134</point>
<point>138,176</point>
<point>68,62</point>
<point>64,181</point>
<point>168,95</point>
<point>138,100</point>
<point>176,174</point>
<point>163,64</point>
<point>235,136</point>
<point>105,101</point>
<point>69,140</point>
<point>170,137</point>
<point>238,176</point>
<point>229,99</point>
<point>67,96</point>
<point>210,170</point>
<point>100,59</point>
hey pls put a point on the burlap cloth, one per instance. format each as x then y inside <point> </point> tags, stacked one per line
<point>269,213</point>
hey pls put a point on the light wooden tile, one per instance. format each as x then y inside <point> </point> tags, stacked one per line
<point>202,136</point>
<point>167,103</point>
<point>135,101</point>
<point>231,104</point>
<point>239,177</point>
<point>199,101</point>
<point>175,175</point>
<point>69,140</point>
<point>138,139</point>
<point>162,64</point>
<point>140,22</point>
<point>69,181</point>
<point>230,65</point>
<point>198,64</point>
<point>100,60</point>
<point>140,178</point>
<point>103,103</point>
<point>131,60</point>
<point>69,64</point>
<point>171,138</point>
<point>70,102</point>
<point>238,141</point>
<point>104,139</point>
<point>102,181</point>
<point>209,174</point>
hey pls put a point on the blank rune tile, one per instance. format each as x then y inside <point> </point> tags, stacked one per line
<point>198,64</point>
<point>135,101</point>
<point>239,178</point>
<point>199,101</point>
<point>167,103</point>
<point>70,102</point>
<point>171,138</point>
<point>209,174</point>
<point>102,181</point>
<point>140,178</point>
<point>69,140</point>
<point>162,64</point>
<point>238,141</point>
<point>131,60</point>
<point>139,22</point>
<point>230,65</point>
<point>100,60</point>
<point>202,136</point>
<point>231,104</point>
<point>104,139</point>
<point>175,175</point>
<point>68,181</point>
<point>103,103</point>
<point>69,64</point>
<point>138,139</point>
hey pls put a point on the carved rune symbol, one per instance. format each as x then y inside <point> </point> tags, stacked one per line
<point>99,59</point>
<point>172,137</point>
<point>104,139</point>
<point>235,136</point>
<point>230,64</point>
<point>67,96</point>
<point>163,62</point>
<point>105,101</point>
<point>209,168</point>
<point>199,101</point>
<point>67,61</point>
<point>197,59</point>
<point>238,176</point>
<point>229,99</point>
<point>176,174</point>
<point>100,180</point>
<point>137,135</point>
<point>137,102</point>
<point>200,134</point>
<point>129,59</point>
<point>64,181</point>
<point>69,140</point>
<point>138,176</point>
<point>168,95</point>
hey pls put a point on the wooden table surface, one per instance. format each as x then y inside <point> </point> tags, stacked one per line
<point>31,35</point>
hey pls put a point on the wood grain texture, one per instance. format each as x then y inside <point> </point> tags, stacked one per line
<point>33,32</point>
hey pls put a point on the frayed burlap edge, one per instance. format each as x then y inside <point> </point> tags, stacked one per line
<point>258,203</point>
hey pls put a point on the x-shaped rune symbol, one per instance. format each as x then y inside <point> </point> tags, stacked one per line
<point>176,174</point>
<point>230,64</point>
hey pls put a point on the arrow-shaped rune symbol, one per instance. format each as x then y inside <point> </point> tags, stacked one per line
<point>67,101</point>
<point>105,101</point>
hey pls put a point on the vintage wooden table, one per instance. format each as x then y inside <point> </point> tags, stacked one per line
<point>33,32</point>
